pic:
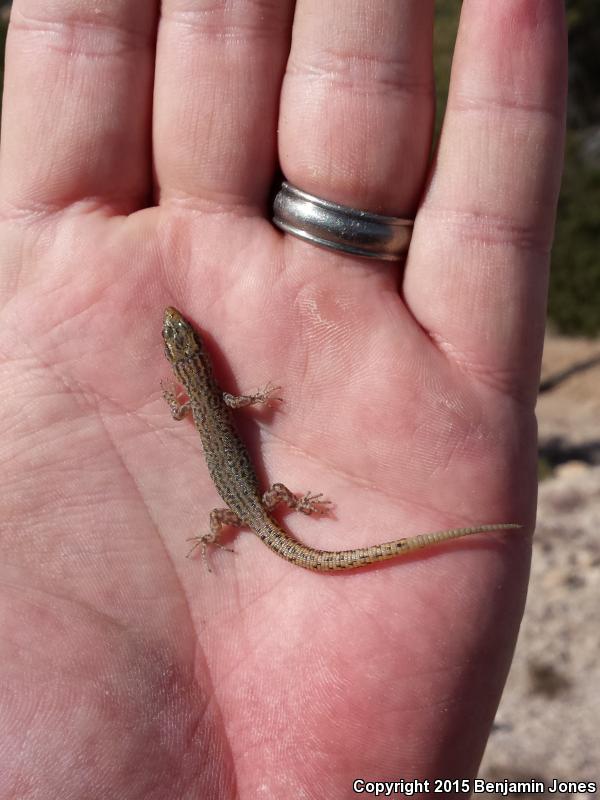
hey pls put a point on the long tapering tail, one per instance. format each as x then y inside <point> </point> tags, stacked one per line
<point>327,560</point>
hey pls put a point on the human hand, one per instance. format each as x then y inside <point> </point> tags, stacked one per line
<point>133,178</point>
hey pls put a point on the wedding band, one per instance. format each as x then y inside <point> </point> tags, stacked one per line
<point>327,224</point>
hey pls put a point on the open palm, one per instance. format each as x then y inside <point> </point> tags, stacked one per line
<point>128,670</point>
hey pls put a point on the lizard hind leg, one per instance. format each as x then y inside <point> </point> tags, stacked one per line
<point>306,504</point>
<point>219,519</point>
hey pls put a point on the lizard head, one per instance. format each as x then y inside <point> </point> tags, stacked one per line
<point>179,337</point>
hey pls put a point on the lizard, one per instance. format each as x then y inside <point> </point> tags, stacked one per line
<point>235,478</point>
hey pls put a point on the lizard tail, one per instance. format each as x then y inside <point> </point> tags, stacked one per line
<point>330,560</point>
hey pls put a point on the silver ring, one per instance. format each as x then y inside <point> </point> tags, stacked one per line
<point>350,230</point>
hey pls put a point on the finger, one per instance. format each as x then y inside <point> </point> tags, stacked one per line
<point>477,272</point>
<point>357,102</point>
<point>219,68</point>
<point>76,104</point>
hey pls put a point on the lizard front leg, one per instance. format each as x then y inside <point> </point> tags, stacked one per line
<point>175,398</point>
<point>261,396</point>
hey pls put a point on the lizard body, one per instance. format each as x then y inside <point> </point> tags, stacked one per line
<point>234,476</point>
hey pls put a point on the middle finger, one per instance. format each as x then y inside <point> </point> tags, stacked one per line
<point>218,75</point>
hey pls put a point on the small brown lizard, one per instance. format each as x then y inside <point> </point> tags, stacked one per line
<point>234,476</point>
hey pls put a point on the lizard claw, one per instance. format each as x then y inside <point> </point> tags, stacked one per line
<point>203,542</point>
<point>266,395</point>
<point>312,504</point>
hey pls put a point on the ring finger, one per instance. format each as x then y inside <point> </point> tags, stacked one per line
<point>358,71</point>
